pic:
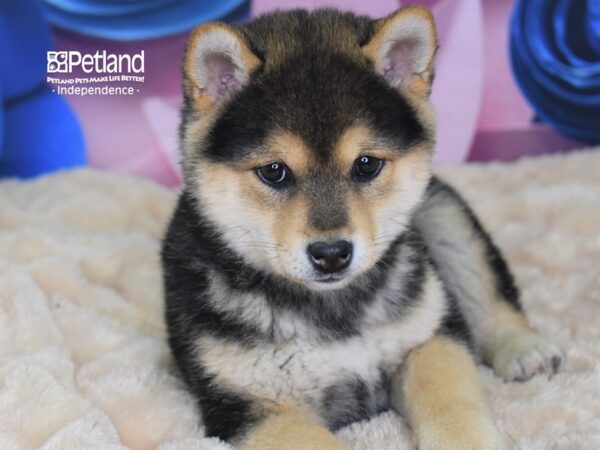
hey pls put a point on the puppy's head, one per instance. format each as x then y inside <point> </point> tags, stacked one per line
<point>307,137</point>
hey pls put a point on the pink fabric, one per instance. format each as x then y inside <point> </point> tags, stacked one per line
<point>138,133</point>
<point>505,127</point>
<point>458,85</point>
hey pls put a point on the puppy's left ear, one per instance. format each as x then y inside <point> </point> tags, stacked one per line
<point>402,49</point>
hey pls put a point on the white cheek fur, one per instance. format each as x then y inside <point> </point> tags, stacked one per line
<point>394,218</point>
<point>249,234</point>
<point>243,229</point>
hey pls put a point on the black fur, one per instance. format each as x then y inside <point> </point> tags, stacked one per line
<point>352,401</point>
<point>321,86</point>
<point>454,324</point>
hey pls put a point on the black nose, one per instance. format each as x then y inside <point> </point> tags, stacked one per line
<point>329,258</point>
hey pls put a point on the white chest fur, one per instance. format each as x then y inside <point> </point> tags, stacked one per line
<point>299,369</point>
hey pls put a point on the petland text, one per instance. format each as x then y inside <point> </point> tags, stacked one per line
<point>99,62</point>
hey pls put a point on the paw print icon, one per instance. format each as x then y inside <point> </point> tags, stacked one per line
<point>57,62</point>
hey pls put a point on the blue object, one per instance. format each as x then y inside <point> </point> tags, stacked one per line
<point>1,121</point>
<point>24,40</point>
<point>106,8</point>
<point>38,130</point>
<point>42,135</point>
<point>128,21</point>
<point>594,24</point>
<point>555,55</point>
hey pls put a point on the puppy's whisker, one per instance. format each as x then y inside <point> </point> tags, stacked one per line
<point>250,244</point>
<point>268,260</point>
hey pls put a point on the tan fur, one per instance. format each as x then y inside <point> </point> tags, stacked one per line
<point>264,222</point>
<point>441,394</point>
<point>291,430</point>
<point>512,347</point>
<point>277,222</point>
<point>425,113</point>
<point>504,322</point>
<point>290,229</point>
<point>420,83</point>
<point>286,146</point>
<point>382,202</point>
<point>391,205</point>
<point>195,133</point>
<point>358,140</point>
<point>236,200</point>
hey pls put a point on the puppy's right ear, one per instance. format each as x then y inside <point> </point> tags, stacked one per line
<point>217,64</point>
<point>402,49</point>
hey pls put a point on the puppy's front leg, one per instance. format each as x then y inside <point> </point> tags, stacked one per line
<point>439,392</point>
<point>474,271</point>
<point>292,429</point>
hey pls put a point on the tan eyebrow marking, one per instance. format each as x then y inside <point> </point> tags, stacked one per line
<point>359,140</point>
<point>280,146</point>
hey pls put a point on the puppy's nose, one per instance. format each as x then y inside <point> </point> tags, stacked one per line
<point>330,257</point>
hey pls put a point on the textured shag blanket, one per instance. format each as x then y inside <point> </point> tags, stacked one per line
<point>83,358</point>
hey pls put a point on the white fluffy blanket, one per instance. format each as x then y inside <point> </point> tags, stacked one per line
<point>83,358</point>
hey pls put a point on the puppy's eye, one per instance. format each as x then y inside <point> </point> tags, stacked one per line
<point>275,174</point>
<point>366,168</point>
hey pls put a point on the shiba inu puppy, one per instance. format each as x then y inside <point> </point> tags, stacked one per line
<point>316,273</point>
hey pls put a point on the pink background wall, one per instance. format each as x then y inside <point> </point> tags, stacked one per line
<point>481,113</point>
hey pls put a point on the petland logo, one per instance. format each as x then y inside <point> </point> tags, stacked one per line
<point>99,62</point>
<point>100,73</point>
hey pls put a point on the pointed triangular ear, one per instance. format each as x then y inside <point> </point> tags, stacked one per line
<point>402,49</point>
<point>217,64</point>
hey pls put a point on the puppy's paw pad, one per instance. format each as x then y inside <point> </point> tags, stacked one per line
<point>518,358</point>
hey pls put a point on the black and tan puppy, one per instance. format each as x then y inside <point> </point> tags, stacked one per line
<point>315,272</point>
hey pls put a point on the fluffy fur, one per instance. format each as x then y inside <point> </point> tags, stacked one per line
<point>313,266</point>
<point>83,358</point>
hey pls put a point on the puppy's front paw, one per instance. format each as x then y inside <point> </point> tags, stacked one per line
<point>291,431</point>
<point>522,356</point>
